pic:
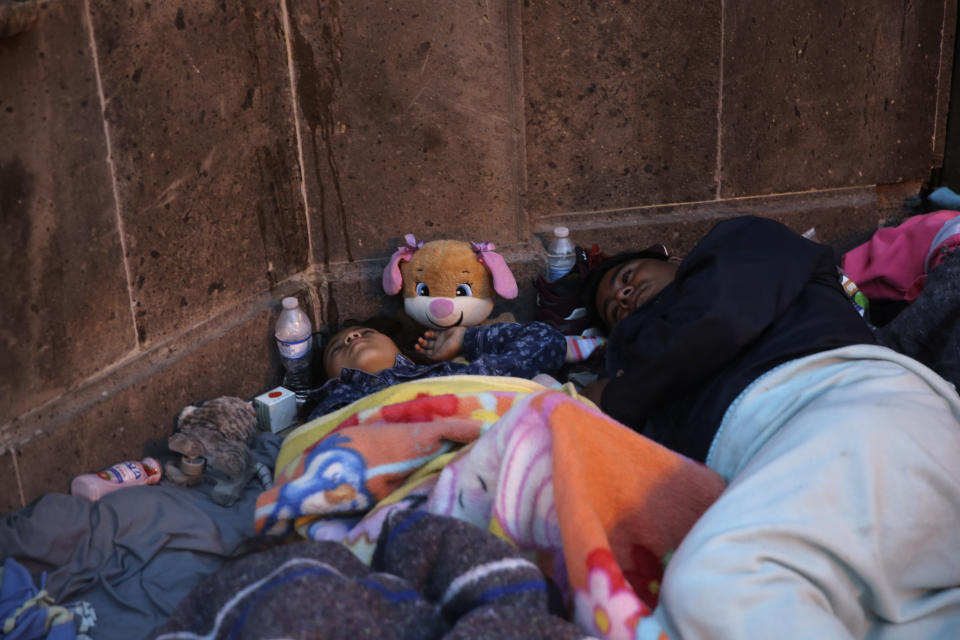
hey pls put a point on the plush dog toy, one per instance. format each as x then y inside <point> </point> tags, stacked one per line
<point>214,438</point>
<point>448,283</point>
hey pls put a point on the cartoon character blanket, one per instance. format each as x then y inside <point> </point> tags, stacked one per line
<point>598,506</point>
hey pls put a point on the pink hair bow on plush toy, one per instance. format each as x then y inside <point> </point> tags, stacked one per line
<point>392,280</point>
<point>503,281</point>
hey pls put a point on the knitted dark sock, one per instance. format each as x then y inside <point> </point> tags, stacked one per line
<point>458,565</point>
<point>305,589</point>
<point>431,572</point>
<point>512,623</point>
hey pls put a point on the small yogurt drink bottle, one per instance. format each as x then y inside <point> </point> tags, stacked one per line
<point>94,486</point>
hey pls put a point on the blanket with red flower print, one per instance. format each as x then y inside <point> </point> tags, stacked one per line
<point>598,506</point>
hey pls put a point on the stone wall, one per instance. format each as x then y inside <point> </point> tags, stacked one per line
<point>170,170</point>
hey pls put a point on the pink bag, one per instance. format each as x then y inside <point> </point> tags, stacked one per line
<point>894,263</point>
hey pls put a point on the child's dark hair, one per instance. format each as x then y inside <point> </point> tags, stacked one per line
<point>389,327</point>
<point>588,293</point>
<point>321,340</point>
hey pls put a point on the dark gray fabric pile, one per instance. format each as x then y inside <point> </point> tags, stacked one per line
<point>431,577</point>
<point>929,329</point>
<point>137,552</point>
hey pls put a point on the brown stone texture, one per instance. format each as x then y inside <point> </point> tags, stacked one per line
<point>945,84</point>
<point>407,123</point>
<point>828,95</point>
<point>620,103</point>
<point>836,216</point>
<point>17,17</point>
<point>118,427</point>
<point>199,113</point>
<point>63,292</point>
<point>949,129</point>
<point>357,295</point>
<point>9,487</point>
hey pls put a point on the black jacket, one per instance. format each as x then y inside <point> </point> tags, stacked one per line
<point>751,295</point>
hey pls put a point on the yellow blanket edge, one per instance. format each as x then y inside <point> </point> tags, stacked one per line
<point>310,432</point>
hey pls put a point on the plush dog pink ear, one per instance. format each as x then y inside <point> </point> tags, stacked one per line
<point>503,281</point>
<point>392,280</point>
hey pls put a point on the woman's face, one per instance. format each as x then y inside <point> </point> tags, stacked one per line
<point>630,284</point>
<point>360,348</point>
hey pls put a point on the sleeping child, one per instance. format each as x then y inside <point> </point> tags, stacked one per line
<point>359,360</point>
<point>842,513</point>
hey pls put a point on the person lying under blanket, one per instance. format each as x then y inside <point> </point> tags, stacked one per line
<point>842,514</point>
<point>360,360</point>
<point>602,507</point>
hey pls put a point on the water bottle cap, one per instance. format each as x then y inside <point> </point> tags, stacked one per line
<point>561,232</point>
<point>290,303</point>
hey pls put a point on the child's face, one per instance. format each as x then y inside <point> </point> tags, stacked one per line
<point>629,285</point>
<point>359,348</point>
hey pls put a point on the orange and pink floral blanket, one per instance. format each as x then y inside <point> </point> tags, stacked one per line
<point>599,507</point>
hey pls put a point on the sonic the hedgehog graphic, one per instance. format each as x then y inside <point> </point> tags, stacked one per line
<point>333,481</point>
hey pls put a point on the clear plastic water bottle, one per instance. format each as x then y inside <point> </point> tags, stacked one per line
<point>561,254</point>
<point>294,336</point>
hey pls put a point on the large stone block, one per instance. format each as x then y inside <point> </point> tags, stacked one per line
<point>828,94</point>
<point>199,112</point>
<point>620,103</point>
<point>408,120</point>
<point>141,403</point>
<point>63,292</point>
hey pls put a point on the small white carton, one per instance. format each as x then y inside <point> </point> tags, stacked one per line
<point>276,409</point>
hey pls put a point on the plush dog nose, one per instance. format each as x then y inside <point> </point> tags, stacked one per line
<point>441,308</point>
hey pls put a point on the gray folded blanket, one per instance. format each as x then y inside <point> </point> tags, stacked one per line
<point>137,552</point>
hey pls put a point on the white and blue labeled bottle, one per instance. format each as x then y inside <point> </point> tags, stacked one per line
<point>294,336</point>
<point>130,473</point>
<point>561,254</point>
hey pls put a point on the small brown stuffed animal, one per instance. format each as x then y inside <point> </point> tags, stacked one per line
<point>448,283</point>
<point>218,431</point>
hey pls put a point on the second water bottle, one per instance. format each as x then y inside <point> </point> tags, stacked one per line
<point>561,254</point>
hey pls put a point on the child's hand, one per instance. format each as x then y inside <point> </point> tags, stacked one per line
<point>441,345</point>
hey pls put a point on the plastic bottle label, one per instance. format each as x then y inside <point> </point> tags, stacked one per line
<point>294,350</point>
<point>557,269</point>
<point>123,472</point>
